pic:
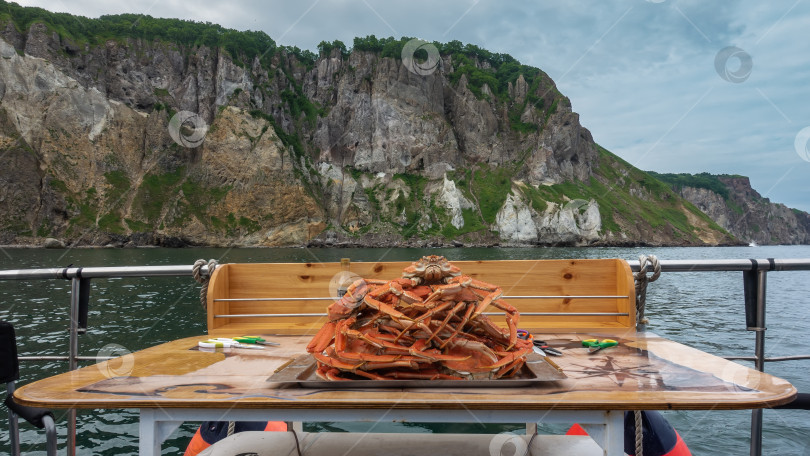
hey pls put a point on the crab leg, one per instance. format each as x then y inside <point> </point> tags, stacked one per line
<point>460,326</point>
<point>510,369</point>
<point>450,315</point>
<point>342,345</point>
<point>419,349</point>
<point>352,299</point>
<point>385,308</point>
<point>508,357</point>
<point>326,372</point>
<point>426,315</point>
<point>337,364</point>
<point>370,375</point>
<point>421,375</point>
<point>512,319</point>
<point>386,365</point>
<point>392,312</point>
<point>323,338</point>
<point>391,352</point>
<point>395,288</point>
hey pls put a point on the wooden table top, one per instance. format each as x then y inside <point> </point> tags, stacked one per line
<point>645,372</point>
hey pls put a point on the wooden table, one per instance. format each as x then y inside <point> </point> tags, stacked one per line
<point>177,381</point>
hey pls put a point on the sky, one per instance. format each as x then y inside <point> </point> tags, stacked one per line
<point>719,86</point>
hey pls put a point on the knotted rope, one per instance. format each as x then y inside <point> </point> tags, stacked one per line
<point>642,279</point>
<point>196,272</point>
<point>639,434</point>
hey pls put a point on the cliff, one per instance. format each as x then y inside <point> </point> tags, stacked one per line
<point>121,133</point>
<point>741,210</point>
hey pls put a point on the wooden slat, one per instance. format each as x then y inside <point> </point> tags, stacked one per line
<point>518,277</point>
<point>218,287</point>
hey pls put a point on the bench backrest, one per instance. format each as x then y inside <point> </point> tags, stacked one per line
<point>579,294</point>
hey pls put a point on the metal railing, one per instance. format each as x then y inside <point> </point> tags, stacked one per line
<point>754,285</point>
<point>79,303</point>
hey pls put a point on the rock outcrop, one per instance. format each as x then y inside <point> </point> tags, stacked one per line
<point>137,141</point>
<point>749,216</point>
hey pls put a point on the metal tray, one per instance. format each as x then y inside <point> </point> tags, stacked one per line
<point>301,371</point>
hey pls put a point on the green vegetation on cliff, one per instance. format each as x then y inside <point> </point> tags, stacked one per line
<point>81,30</point>
<point>703,180</point>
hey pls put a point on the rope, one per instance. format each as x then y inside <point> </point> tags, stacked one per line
<point>642,279</point>
<point>231,427</point>
<point>639,434</point>
<point>529,445</point>
<point>297,444</point>
<point>196,272</point>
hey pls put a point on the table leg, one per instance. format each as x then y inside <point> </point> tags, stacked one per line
<point>608,432</point>
<point>614,433</point>
<point>155,427</point>
<point>148,445</point>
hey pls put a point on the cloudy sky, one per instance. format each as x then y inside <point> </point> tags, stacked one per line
<point>669,85</point>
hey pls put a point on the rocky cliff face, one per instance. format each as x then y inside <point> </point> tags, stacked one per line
<point>749,216</point>
<point>351,148</point>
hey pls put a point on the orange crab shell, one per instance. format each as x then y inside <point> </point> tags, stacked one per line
<point>431,269</point>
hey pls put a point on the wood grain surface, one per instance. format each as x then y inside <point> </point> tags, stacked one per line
<point>643,372</point>
<point>597,277</point>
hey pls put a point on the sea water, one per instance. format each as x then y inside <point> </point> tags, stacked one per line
<point>701,309</point>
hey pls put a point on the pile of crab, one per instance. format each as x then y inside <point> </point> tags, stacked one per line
<point>428,324</point>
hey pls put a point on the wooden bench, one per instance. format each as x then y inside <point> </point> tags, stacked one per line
<point>551,295</point>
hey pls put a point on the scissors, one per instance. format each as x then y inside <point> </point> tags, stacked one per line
<point>254,340</point>
<point>543,346</point>
<point>223,342</point>
<point>595,345</point>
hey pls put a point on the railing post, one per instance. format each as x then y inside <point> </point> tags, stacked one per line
<point>13,425</point>
<point>759,353</point>
<point>73,353</point>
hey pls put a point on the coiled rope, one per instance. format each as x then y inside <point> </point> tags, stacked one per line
<point>642,279</point>
<point>196,272</point>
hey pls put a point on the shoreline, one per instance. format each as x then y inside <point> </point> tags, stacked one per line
<point>386,246</point>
